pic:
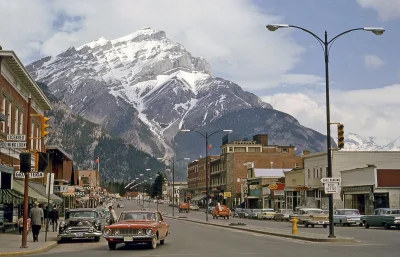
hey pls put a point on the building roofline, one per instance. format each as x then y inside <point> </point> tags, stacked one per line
<point>29,83</point>
<point>57,148</point>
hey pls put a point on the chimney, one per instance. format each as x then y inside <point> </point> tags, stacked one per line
<point>306,152</point>
<point>261,139</point>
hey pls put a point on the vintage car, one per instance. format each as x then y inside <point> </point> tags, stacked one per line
<point>348,217</point>
<point>266,214</point>
<point>81,223</point>
<point>312,217</point>
<point>383,217</point>
<point>137,227</point>
<point>184,207</point>
<point>194,207</point>
<point>221,211</point>
<point>283,215</point>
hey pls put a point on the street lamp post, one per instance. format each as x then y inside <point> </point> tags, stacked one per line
<point>173,161</point>
<point>327,44</point>
<point>206,136</point>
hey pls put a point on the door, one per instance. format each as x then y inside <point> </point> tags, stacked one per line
<point>162,229</point>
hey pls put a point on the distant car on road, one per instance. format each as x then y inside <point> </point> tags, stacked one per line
<point>137,227</point>
<point>348,217</point>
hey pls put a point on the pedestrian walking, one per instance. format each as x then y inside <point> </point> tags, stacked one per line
<point>37,218</point>
<point>113,215</point>
<point>54,218</point>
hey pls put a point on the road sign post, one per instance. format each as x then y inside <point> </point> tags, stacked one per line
<point>331,185</point>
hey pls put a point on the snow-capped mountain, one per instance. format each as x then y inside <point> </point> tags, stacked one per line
<point>354,142</point>
<point>145,88</point>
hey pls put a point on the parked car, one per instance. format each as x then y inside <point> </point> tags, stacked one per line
<point>236,212</point>
<point>221,211</point>
<point>312,217</point>
<point>210,210</point>
<point>194,207</point>
<point>266,214</point>
<point>383,217</point>
<point>283,215</point>
<point>348,217</point>
<point>184,207</point>
<point>137,227</point>
<point>81,223</point>
<point>245,213</point>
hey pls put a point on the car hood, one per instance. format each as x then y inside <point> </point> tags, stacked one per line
<point>133,224</point>
<point>80,222</point>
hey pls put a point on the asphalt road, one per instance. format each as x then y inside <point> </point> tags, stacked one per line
<point>193,240</point>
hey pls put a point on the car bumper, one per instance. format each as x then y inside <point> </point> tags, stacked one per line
<point>352,221</point>
<point>129,239</point>
<point>317,222</point>
<point>78,235</point>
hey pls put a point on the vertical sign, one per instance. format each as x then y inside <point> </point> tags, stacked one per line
<point>50,183</point>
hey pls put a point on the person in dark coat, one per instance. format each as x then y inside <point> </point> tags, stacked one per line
<point>54,218</point>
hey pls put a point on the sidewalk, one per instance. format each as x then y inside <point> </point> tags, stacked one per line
<point>305,236</point>
<point>10,243</point>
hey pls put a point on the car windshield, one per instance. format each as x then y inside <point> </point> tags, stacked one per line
<point>83,214</point>
<point>137,216</point>
<point>351,212</point>
<point>395,212</point>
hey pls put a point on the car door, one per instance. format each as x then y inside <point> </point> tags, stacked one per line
<point>160,226</point>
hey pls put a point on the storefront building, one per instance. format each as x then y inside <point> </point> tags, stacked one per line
<point>369,188</point>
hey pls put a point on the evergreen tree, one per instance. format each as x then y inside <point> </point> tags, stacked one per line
<point>158,186</point>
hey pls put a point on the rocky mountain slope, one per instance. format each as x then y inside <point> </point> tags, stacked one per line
<point>144,88</point>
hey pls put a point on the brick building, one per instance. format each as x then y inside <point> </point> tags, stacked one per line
<point>228,168</point>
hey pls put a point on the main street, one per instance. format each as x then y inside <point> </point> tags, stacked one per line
<point>188,239</point>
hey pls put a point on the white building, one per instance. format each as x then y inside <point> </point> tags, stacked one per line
<point>315,168</point>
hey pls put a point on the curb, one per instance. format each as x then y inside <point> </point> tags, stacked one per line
<point>298,237</point>
<point>29,252</point>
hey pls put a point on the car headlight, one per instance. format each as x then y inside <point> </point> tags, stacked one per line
<point>116,232</point>
<point>67,231</point>
<point>107,232</point>
<point>149,231</point>
<point>63,224</point>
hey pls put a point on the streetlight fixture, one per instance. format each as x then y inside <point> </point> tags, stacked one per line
<point>173,161</point>
<point>133,181</point>
<point>206,136</point>
<point>327,44</point>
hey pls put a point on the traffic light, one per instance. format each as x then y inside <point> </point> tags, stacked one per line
<point>44,126</point>
<point>43,161</point>
<point>25,162</point>
<point>340,133</point>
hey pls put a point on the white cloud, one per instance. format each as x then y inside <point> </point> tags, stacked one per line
<point>367,112</point>
<point>230,34</point>
<point>373,62</point>
<point>387,9</point>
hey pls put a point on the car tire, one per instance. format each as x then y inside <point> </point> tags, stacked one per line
<point>325,225</point>
<point>386,226</point>
<point>162,242</point>
<point>366,225</point>
<point>112,245</point>
<point>97,239</point>
<point>153,243</point>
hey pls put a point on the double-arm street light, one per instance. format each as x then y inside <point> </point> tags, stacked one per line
<point>327,44</point>
<point>173,161</point>
<point>206,136</point>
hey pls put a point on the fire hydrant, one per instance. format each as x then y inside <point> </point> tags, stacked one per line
<point>294,225</point>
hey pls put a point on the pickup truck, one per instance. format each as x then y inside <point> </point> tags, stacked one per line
<point>184,207</point>
<point>383,217</point>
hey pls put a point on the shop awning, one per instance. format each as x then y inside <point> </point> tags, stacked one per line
<point>198,198</point>
<point>18,185</point>
<point>40,189</point>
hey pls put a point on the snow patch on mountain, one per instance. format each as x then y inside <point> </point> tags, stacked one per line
<point>354,142</point>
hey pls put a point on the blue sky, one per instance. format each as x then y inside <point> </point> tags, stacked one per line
<point>284,68</point>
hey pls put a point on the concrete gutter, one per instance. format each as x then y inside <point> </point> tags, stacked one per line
<point>45,248</point>
<point>271,232</point>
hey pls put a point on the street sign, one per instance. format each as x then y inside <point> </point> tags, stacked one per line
<point>15,145</point>
<point>331,180</point>
<point>331,188</point>
<point>227,194</point>
<point>19,174</point>
<point>16,137</point>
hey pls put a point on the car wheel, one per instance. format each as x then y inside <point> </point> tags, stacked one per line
<point>112,245</point>
<point>97,239</point>
<point>325,226</point>
<point>162,242</point>
<point>154,243</point>
<point>366,225</point>
<point>386,226</point>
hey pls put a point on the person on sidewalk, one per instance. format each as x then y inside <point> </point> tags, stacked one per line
<point>113,215</point>
<point>37,217</point>
<point>20,224</point>
<point>54,218</point>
